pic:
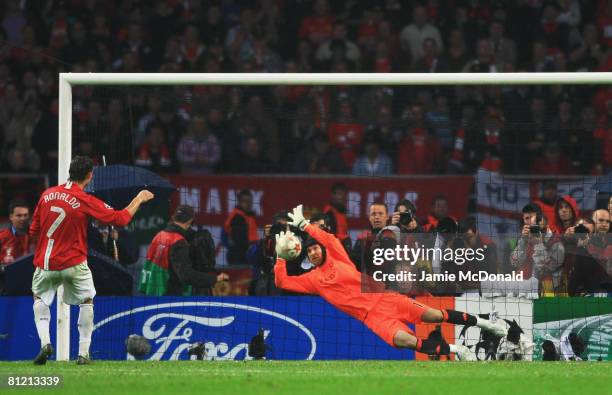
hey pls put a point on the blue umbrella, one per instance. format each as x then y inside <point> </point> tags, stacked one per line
<point>604,183</point>
<point>117,185</point>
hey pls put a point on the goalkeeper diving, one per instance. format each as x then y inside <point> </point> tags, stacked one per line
<point>387,314</point>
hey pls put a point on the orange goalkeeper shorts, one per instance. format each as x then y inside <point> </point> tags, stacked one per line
<point>391,314</point>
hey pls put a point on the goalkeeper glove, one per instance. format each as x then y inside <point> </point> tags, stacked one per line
<point>297,218</point>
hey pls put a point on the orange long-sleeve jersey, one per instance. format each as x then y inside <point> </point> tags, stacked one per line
<point>336,280</point>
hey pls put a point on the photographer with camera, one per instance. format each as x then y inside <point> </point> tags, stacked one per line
<point>539,252</point>
<point>405,217</point>
<point>582,270</point>
<point>261,257</point>
<point>406,228</point>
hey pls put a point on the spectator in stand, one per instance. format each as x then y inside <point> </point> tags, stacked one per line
<point>346,133</point>
<point>484,62</point>
<point>413,35</point>
<point>457,54</point>
<point>14,240</point>
<point>431,61</point>
<point>419,153</point>
<point>504,48</point>
<point>439,210</point>
<point>339,47</point>
<point>260,115</point>
<point>385,126</point>
<point>602,134</point>
<point>541,60</point>
<point>192,48</point>
<point>240,39</point>
<point>240,229</point>
<point>373,162</point>
<point>265,59</point>
<point>554,30</point>
<point>439,120</point>
<point>566,214</point>
<point>321,158</point>
<point>318,27</point>
<point>552,161</point>
<point>590,53</point>
<point>154,103</point>
<point>469,144</point>
<point>154,154</point>
<point>534,134</point>
<point>252,159</point>
<point>199,150</point>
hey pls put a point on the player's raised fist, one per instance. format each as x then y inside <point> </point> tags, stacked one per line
<point>145,195</point>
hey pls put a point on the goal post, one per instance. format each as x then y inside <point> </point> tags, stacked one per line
<point>68,80</point>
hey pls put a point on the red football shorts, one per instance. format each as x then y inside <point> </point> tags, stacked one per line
<point>391,314</point>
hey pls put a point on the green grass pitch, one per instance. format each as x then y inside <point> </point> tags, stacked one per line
<point>320,377</point>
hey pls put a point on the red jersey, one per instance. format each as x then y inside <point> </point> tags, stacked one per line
<point>61,218</point>
<point>336,280</point>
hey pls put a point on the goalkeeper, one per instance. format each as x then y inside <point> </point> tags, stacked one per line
<point>337,281</point>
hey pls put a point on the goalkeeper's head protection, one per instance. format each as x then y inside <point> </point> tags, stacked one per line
<point>310,241</point>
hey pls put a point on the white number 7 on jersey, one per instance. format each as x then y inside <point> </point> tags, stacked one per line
<point>53,228</point>
<point>58,220</point>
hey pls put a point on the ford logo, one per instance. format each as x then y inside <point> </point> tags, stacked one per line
<point>226,329</point>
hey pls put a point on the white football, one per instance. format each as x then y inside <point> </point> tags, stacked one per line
<point>288,247</point>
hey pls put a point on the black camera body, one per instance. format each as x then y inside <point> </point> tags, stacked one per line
<point>535,229</point>
<point>405,217</point>
<point>581,229</point>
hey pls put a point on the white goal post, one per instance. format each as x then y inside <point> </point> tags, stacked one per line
<point>67,80</point>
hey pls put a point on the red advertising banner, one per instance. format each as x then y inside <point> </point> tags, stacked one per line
<point>215,196</point>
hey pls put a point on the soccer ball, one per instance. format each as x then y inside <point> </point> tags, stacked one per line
<point>288,247</point>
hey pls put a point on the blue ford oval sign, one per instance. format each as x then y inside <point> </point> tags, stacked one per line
<point>226,329</point>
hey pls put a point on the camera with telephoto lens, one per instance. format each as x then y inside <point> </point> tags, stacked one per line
<point>405,217</point>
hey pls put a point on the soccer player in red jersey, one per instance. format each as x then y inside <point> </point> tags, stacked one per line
<point>336,280</point>
<point>60,223</point>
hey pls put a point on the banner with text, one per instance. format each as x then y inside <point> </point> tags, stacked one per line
<point>500,199</point>
<point>215,196</point>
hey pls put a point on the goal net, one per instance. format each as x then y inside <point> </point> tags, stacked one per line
<point>499,178</point>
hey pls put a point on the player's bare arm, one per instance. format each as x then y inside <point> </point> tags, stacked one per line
<point>142,197</point>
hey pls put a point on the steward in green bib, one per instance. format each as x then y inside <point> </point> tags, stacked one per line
<point>169,269</point>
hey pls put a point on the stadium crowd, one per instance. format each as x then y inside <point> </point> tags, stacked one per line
<point>365,131</point>
<point>370,131</point>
